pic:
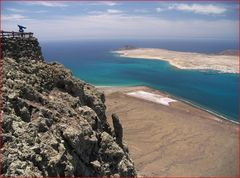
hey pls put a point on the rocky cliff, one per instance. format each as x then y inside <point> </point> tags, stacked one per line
<point>53,123</point>
<point>19,48</point>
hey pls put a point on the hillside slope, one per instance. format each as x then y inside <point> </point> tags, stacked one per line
<point>55,124</point>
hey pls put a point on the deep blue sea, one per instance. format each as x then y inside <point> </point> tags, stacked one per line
<point>93,62</point>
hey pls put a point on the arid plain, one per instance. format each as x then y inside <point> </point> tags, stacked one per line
<point>178,139</point>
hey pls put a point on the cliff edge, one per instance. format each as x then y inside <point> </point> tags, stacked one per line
<point>53,123</point>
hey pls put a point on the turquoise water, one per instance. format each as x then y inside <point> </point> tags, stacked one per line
<point>93,62</point>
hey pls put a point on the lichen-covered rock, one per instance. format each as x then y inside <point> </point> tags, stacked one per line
<point>54,124</point>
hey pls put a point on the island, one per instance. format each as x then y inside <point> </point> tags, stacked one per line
<point>221,62</point>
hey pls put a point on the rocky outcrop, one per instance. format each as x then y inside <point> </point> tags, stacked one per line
<point>21,48</point>
<point>55,124</point>
<point>229,52</point>
<point>118,130</point>
<point>127,47</point>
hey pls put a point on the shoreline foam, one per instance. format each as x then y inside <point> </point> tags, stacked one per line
<point>206,110</point>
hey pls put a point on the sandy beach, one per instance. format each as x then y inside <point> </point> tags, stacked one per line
<point>186,60</point>
<point>168,137</point>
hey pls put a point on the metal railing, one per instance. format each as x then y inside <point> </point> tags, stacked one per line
<point>5,34</point>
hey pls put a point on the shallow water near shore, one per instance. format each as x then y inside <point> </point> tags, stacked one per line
<point>94,62</point>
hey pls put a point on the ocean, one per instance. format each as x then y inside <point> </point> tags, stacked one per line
<point>94,62</point>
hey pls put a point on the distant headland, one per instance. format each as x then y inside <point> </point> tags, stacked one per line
<point>224,62</point>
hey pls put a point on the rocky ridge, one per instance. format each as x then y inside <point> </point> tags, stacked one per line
<point>53,123</point>
<point>229,52</point>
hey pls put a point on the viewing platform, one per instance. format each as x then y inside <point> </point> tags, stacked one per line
<point>7,34</point>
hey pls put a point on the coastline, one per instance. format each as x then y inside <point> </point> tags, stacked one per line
<point>185,60</point>
<point>222,117</point>
<point>173,139</point>
<point>206,110</point>
<point>203,108</point>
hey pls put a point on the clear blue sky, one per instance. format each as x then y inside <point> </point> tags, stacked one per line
<point>52,20</point>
